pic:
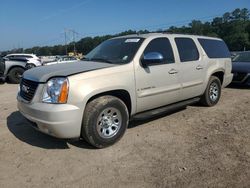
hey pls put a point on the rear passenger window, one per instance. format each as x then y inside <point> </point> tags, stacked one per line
<point>187,49</point>
<point>215,48</point>
<point>27,56</point>
<point>162,46</point>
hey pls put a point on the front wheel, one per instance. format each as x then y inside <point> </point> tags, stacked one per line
<point>213,92</point>
<point>105,121</point>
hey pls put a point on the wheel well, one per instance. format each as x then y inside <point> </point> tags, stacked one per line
<point>219,75</point>
<point>121,94</point>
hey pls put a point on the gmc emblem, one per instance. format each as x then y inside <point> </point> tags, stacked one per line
<point>25,89</point>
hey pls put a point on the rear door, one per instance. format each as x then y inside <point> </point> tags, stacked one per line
<point>192,67</point>
<point>157,85</point>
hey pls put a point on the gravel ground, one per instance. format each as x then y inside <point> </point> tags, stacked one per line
<point>194,147</point>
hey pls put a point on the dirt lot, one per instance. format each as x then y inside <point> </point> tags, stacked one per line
<point>195,147</point>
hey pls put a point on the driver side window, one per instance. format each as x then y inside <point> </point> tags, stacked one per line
<point>162,46</point>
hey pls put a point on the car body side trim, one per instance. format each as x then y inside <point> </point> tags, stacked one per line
<point>158,91</point>
<point>191,84</point>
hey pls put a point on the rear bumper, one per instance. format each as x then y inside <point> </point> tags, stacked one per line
<point>58,120</point>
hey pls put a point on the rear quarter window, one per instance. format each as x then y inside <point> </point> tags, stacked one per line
<point>215,48</point>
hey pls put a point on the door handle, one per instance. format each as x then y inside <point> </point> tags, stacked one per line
<point>199,67</point>
<point>173,71</point>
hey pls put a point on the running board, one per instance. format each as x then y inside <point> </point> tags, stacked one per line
<point>164,109</point>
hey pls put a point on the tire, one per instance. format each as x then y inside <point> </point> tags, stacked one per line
<point>15,75</point>
<point>105,121</point>
<point>212,93</point>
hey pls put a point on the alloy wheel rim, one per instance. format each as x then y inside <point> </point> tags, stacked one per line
<point>109,122</point>
<point>214,91</point>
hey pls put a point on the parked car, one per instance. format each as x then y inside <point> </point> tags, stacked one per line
<point>13,66</point>
<point>12,70</point>
<point>62,59</point>
<point>32,60</point>
<point>241,68</point>
<point>130,77</point>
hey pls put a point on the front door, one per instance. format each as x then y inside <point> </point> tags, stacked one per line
<point>157,84</point>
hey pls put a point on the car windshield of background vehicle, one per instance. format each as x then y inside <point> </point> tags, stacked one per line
<point>242,57</point>
<point>115,51</point>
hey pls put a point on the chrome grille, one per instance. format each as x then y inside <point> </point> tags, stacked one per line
<point>28,89</point>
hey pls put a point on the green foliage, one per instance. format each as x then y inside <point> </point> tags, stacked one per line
<point>233,27</point>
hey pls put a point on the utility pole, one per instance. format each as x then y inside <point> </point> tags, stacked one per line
<point>72,33</point>
<point>74,39</point>
<point>65,37</point>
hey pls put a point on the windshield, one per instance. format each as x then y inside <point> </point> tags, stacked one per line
<point>117,51</point>
<point>242,57</point>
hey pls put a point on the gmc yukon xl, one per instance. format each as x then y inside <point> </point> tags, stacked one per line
<point>135,76</point>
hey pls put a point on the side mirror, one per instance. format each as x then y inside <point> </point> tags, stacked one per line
<point>152,58</point>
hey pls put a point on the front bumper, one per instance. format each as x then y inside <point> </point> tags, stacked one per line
<point>58,120</point>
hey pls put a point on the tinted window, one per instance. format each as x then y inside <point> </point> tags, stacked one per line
<point>242,57</point>
<point>215,48</point>
<point>27,56</point>
<point>11,56</point>
<point>162,46</point>
<point>187,49</point>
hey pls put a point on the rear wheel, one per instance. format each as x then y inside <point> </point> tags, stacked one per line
<point>213,92</point>
<point>15,75</point>
<point>105,121</point>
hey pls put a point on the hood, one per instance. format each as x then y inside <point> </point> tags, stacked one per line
<point>43,73</point>
<point>241,67</point>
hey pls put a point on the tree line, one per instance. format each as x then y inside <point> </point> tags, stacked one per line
<point>233,27</point>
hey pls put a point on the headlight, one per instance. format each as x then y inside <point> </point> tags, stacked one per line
<point>56,91</point>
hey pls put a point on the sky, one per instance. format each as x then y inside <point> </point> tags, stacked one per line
<point>28,23</point>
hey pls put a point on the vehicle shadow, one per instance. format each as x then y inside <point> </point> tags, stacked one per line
<point>238,86</point>
<point>137,122</point>
<point>21,129</point>
<point>2,82</point>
